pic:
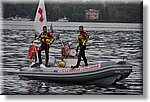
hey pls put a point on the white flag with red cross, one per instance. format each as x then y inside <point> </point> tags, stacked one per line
<point>40,18</point>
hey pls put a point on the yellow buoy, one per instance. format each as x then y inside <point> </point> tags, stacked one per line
<point>61,64</point>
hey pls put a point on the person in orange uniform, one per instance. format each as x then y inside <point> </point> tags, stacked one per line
<point>46,39</point>
<point>82,39</point>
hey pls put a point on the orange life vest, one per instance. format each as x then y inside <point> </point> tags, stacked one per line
<point>32,52</point>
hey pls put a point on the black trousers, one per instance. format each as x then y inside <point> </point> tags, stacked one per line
<point>82,54</point>
<point>46,48</point>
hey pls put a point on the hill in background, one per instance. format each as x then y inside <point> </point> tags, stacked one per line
<point>132,13</point>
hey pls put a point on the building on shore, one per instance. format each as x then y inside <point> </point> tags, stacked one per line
<point>92,15</point>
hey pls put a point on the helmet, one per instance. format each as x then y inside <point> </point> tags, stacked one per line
<point>61,64</point>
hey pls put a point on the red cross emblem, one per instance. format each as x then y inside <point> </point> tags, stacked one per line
<point>40,11</point>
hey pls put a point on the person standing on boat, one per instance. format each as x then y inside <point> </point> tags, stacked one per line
<point>46,39</point>
<point>82,39</point>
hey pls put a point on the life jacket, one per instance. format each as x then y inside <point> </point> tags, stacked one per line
<point>82,38</point>
<point>32,52</point>
<point>45,38</point>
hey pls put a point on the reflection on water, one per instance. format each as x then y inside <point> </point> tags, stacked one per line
<point>102,45</point>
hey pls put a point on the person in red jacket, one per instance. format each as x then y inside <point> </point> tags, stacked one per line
<point>46,39</point>
<point>82,39</point>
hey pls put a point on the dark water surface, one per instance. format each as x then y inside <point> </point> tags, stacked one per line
<point>103,44</point>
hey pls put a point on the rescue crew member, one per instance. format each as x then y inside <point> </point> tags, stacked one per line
<point>46,39</point>
<point>82,39</point>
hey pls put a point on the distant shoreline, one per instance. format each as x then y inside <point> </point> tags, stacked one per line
<point>110,13</point>
<point>85,21</point>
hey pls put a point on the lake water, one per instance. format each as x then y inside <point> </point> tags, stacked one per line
<point>107,41</point>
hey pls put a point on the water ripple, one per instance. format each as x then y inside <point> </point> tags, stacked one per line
<point>106,44</point>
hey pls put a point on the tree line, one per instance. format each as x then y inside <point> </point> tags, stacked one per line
<point>76,12</point>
